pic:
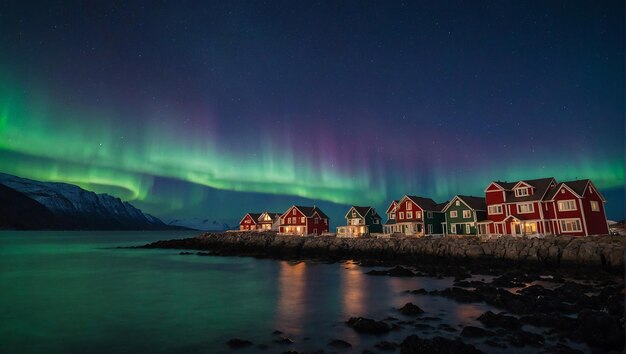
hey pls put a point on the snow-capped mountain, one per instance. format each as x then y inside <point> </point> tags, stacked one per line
<point>76,208</point>
<point>203,224</point>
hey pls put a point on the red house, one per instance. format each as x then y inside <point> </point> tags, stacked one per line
<point>543,206</point>
<point>249,222</point>
<point>303,220</point>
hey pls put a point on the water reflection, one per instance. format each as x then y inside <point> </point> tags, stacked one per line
<point>291,306</point>
<point>353,291</point>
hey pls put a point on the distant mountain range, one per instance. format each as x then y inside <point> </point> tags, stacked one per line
<point>204,224</point>
<point>32,205</point>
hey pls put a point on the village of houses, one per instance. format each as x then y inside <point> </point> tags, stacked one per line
<point>524,208</point>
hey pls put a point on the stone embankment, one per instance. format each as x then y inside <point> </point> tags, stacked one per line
<point>606,252</point>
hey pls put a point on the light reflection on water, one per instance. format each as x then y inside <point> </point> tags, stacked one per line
<point>74,293</point>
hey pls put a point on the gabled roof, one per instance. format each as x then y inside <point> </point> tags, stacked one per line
<point>361,210</point>
<point>308,211</point>
<point>579,187</point>
<point>254,216</point>
<point>272,215</point>
<point>476,203</point>
<point>424,203</point>
<point>393,202</point>
<point>541,186</point>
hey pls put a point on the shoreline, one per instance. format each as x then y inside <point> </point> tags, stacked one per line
<point>587,254</point>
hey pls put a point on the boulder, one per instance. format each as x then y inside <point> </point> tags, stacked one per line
<point>411,310</point>
<point>366,325</point>
<point>437,345</point>
<point>490,319</point>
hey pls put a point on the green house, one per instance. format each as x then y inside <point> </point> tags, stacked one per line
<point>360,221</point>
<point>463,214</point>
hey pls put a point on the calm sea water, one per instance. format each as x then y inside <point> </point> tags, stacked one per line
<point>73,292</point>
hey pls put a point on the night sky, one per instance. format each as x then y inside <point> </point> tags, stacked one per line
<point>194,109</point>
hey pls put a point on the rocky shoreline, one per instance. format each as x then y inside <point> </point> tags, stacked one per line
<point>587,253</point>
<point>547,295</point>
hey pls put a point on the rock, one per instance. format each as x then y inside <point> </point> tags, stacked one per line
<point>600,329</point>
<point>411,310</point>
<point>238,343</point>
<point>277,332</point>
<point>490,319</point>
<point>419,292</point>
<point>366,325</point>
<point>446,327</point>
<point>471,331</point>
<point>550,320</point>
<point>521,338</point>
<point>561,349</point>
<point>437,345</point>
<point>338,343</point>
<point>387,346</point>
<point>397,271</point>
<point>495,344</point>
<point>283,340</point>
<point>460,294</point>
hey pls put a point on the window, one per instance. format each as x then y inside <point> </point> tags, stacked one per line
<point>316,221</point>
<point>521,192</point>
<point>453,229</point>
<point>467,214</point>
<point>429,215</point>
<point>567,205</point>
<point>409,215</point>
<point>430,228</point>
<point>376,221</point>
<point>468,229</point>
<point>495,209</point>
<point>457,203</point>
<point>353,213</point>
<point>326,221</point>
<point>562,191</point>
<point>409,206</point>
<point>303,219</point>
<point>392,216</point>
<point>453,214</point>
<point>570,225</point>
<point>293,212</point>
<point>595,206</point>
<point>525,208</point>
<point>401,215</point>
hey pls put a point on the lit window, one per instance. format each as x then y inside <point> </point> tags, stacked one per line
<point>293,212</point>
<point>467,214</point>
<point>595,206</point>
<point>453,214</point>
<point>567,205</point>
<point>392,216</point>
<point>409,206</point>
<point>457,203</point>
<point>303,219</point>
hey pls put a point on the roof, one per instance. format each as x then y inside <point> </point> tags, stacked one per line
<point>476,203</point>
<point>309,211</point>
<point>519,217</point>
<point>540,185</point>
<point>440,206</point>
<point>254,216</point>
<point>391,204</point>
<point>362,210</point>
<point>424,203</point>
<point>578,186</point>
<point>272,215</point>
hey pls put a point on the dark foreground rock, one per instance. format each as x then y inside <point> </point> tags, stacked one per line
<point>366,325</point>
<point>437,345</point>
<point>410,309</point>
<point>604,252</point>
<point>339,343</point>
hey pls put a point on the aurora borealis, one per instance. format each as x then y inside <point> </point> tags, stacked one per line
<point>189,109</point>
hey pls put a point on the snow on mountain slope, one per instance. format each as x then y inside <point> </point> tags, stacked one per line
<point>81,208</point>
<point>203,224</point>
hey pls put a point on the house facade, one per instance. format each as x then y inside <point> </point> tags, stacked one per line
<point>249,222</point>
<point>360,221</point>
<point>419,216</point>
<point>390,226</point>
<point>463,213</point>
<point>303,220</point>
<point>269,221</point>
<point>543,206</point>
